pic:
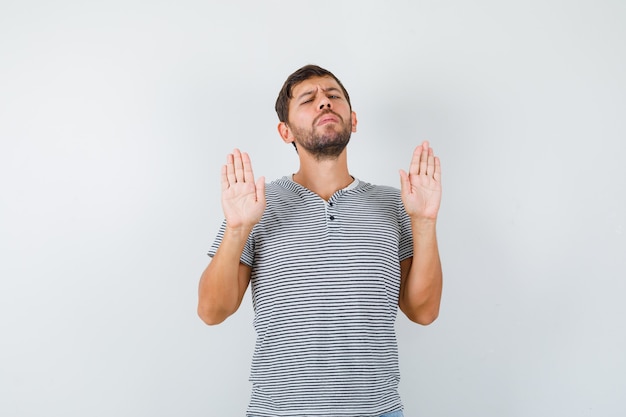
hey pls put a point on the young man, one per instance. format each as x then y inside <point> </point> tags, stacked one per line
<point>330,259</point>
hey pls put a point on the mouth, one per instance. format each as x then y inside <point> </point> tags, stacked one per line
<point>327,118</point>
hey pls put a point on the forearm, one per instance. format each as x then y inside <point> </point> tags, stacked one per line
<point>220,290</point>
<point>421,292</point>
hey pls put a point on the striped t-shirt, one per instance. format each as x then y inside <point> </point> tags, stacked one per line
<point>325,283</point>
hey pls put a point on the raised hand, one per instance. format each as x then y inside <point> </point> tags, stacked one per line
<point>243,200</point>
<point>421,186</point>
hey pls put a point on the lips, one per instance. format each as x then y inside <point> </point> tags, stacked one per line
<point>326,118</point>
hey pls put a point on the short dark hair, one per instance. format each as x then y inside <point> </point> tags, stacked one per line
<point>302,74</point>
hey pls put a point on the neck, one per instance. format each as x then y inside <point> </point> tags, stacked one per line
<point>323,177</point>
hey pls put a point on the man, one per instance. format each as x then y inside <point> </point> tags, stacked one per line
<point>330,259</point>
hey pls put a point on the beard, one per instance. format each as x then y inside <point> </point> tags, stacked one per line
<point>325,142</point>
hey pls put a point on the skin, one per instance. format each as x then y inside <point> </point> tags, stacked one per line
<point>318,114</point>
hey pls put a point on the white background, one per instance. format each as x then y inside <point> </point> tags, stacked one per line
<point>116,116</point>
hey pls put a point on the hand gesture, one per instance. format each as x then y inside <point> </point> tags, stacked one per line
<point>421,187</point>
<point>243,200</point>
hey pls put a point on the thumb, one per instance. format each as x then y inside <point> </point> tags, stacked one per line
<point>260,189</point>
<point>405,183</point>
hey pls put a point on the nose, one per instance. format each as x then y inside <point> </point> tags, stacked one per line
<point>324,103</point>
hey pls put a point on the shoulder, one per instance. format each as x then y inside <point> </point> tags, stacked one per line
<point>378,191</point>
<point>284,197</point>
<point>283,188</point>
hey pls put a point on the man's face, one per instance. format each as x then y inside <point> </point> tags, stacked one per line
<point>320,119</point>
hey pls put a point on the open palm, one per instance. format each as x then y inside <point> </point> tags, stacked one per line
<point>243,199</point>
<point>421,186</point>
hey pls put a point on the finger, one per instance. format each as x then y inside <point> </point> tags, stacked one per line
<point>239,174</point>
<point>405,183</point>
<point>224,178</point>
<point>423,164</point>
<point>230,169</point>
<point>260,189</point>
<point>437,174</point>
<point>247,167</point>
<point>414,168</point>
<point>431,162</point>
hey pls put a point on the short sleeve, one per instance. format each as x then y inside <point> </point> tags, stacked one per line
<point>405,249</point>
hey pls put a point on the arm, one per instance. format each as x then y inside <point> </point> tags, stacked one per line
<point>224,281</point>
<point>421,285</point>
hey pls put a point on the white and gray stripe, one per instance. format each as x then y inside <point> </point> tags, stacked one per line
<point>325,282</point>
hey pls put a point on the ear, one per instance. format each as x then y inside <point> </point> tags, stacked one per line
<point>354,121</point>
<point>285,132</point>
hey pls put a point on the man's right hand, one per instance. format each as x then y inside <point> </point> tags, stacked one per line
<point>243,200</point>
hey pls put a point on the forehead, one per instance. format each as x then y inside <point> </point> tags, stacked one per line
<point>313,83</point>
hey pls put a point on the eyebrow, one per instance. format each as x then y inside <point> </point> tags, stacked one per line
<point>307,93</point>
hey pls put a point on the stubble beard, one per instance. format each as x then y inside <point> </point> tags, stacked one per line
<point>325,143</point>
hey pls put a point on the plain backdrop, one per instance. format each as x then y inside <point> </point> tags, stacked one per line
<point>116,116</point>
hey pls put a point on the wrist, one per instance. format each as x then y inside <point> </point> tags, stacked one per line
<point>423,226</point>
<point>240,231</point>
